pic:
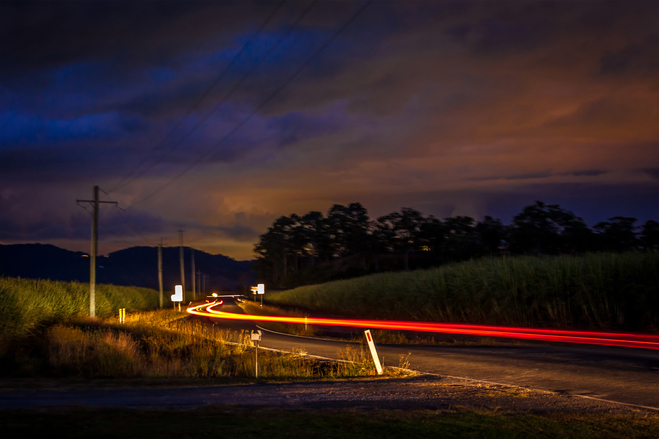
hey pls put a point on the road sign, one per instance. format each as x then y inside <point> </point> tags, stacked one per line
<point>178,294</point>
<point>374,352</point>
<point>261,288</point>
<point>256,335</point>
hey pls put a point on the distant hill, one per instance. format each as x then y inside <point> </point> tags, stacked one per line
<point>136,266</point>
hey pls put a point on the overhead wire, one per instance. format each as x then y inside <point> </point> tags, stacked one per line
<point>204,95</point>
<point>107,229</point>
<point>124,214</point>
<point>235,87</point>
<point>260,107</point>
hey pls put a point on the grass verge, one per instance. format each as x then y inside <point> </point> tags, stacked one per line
<point>603,291</point>
<point>258,422</point>
<point>163,344</point>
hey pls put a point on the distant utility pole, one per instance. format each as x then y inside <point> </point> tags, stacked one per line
<point>182,261</point>
<point>198,275</point>
<point>194,287</point>
<point>92,256</point>
<point>162,297</point>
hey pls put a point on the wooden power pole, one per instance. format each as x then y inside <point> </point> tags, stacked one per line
<point>92,257</point>
<point>162,297</point>
<point>194,289</point>
<point>182,261</point>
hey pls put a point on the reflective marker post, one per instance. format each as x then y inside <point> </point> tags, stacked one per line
<point>256,337</point>
<point>374,352</point>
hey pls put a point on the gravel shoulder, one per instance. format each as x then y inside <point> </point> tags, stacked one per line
<point>423,392</point>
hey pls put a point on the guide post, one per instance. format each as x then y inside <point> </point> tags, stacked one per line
<point>256,337</point>
<point>374,352</point>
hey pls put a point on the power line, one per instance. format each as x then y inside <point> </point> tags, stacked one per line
<point>124,214</point>
<point>105,228</point>
<point>236,86</point>
<point>198,102</point>
<point>244,121</point>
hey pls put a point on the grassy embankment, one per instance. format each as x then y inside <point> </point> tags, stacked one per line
<point>44,332</point>
<point>271,422</point>
<point>593,291</point>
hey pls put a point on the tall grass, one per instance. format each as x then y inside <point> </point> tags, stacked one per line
<point>27,304</point>
<point>168,344</point>
<point>593,291</point>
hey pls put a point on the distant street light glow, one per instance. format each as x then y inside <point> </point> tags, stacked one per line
<point>643,341</point>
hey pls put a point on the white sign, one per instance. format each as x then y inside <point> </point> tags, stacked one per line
<point>374,353</point>
<point>261,288</point>
<point>256,335</point>
<point>178,294</point>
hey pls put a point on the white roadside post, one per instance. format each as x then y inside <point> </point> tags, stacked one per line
<point>374,352</point>
<point>261,291</point>
<point>256,337</point>
<point>178,296</point>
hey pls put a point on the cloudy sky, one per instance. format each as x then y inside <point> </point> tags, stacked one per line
<point>218,117</point>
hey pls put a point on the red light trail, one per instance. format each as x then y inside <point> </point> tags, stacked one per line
<point>643,341</point>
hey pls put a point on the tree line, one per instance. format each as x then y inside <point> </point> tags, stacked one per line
<point>299,250</point>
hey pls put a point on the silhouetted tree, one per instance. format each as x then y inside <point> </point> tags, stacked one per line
<point>617,234</point>
<point>491,234</point>
<point>542,228</point>
<point>650,235</point>
<point>461,242</point>
<point>348,229</point>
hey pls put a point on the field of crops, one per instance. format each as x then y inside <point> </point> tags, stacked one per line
<point>27,304</point>
<point>595,291</point>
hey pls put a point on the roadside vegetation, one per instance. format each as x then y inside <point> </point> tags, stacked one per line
<point>347,243</point>
<point>45,332</point>
<point>29,304</point>
<point>170,344</point>
<point>601,291</point>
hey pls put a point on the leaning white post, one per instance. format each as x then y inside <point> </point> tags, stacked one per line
<point>374,352</point>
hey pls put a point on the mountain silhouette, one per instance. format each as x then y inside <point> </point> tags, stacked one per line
<point>137,266</point>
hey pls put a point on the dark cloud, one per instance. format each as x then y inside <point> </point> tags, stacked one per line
<point>640,58</point>
<point>39,35</point>
<point>652,172</point>
<point>588,173</point>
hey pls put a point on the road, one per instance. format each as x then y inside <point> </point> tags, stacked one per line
<point>624,375</point>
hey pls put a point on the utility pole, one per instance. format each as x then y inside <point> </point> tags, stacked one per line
<point>198,277</point>
<point>194,286</point>
<point>162,297</point>
<point>92,256</point>
<point>182,261</point>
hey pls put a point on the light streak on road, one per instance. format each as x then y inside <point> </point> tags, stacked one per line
<point>643,341</point>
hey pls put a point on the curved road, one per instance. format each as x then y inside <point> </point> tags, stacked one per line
<point>625,375</point>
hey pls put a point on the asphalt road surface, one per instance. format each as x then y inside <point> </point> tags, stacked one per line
<point>625,375</point>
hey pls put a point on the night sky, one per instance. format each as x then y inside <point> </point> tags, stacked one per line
<point>451,108</point>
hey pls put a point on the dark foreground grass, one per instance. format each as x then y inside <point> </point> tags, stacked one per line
<point>272,423</point>
<point>603,291</point>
